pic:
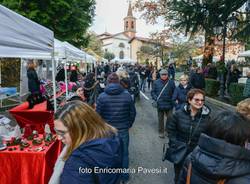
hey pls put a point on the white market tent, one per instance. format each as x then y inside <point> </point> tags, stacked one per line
<point>81,55</point>
<point>23,38</point>
<point>122,61</point>
<point>244,54</point>
<point>67,52</point>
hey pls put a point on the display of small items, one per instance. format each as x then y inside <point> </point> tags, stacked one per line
<point>23,143</point>
<point>49,89</point>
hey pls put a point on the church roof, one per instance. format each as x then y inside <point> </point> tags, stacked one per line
<point>147,40</point>
<point>105,34</point>
<point>143,39</point>
<point>113,35</point>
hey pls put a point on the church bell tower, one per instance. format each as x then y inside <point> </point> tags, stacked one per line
<point>130,23</point>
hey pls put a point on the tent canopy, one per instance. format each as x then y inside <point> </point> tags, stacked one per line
<point>244,54</point>
<point>65,51</point>
<point>23,38</point>
<point>122,61</point>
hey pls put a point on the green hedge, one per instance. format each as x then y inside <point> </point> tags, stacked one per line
<point>236,92</point>
<point>212,87</point>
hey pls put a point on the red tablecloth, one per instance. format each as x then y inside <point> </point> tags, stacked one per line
<point>37,117</point>
<point>28,167</point>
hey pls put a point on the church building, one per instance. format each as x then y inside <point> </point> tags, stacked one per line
<point>118,43</point>
<point>127,45</point>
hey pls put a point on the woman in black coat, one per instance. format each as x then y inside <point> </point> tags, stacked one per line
<point>33,81</point>
<point>186,125</point>
<point>222,154</point>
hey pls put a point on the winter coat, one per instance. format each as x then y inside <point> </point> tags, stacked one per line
<point>134,83</point>
<point>181,122</point>
<point>33,81</point>
<point>212,73</point>
<point>234,76</point>
<point>116,106</point>
<point>165,101</point>
<point>180,94</point>
<point>91,91</point>
<point>171,70</point>
<point>215,159</point>
<point>197,80</point>
<point>92,155</point>
<point>246,92</point>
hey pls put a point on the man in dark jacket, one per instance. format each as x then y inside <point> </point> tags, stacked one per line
<point>163,97</point>
<point>116,107</point>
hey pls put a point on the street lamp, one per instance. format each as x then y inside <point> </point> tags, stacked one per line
<point>223,30</point>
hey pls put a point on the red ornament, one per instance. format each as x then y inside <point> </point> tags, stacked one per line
<point>27,131</point>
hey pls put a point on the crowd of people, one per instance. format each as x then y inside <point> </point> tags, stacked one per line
<point>94,125</point>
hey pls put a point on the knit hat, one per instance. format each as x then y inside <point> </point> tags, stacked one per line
<point>163,72</point>
<point>113,78</point>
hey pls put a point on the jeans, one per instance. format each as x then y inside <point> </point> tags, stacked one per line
<point>142,85</point>
<point>124,135</point>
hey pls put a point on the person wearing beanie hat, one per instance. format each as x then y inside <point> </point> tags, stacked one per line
<point>113,78</point>
<point>163,72</point>
<point>116,106</point>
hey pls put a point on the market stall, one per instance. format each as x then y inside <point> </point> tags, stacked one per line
<point>32,161</point>
<point>29,165</point>
<point>23,38</point>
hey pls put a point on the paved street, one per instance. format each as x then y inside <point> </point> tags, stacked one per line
<point>146,146</point>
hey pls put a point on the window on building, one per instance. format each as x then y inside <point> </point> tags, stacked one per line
<point>126,24</point>
<point>132,24</point>
<point>121,55</point>
<point>121,45</point>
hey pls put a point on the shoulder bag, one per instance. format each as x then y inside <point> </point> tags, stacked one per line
<point>154,103</point>
<point>178,150</point>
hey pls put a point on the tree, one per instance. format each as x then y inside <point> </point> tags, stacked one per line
<point>109,56</point>
<point>69,19</point>
<point>94,44</point>
<point>191,16</point>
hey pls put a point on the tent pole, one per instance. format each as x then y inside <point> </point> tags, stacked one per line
<point>53,76</point>
<point>66,77</point>
<point>21,81</point>
<point>66,73</point>
<point>0,74</point>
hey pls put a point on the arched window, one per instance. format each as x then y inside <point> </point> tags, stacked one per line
<point>121,55</point>
<point>126,24</point>
<point>132,24</point>
<point>121,45</point>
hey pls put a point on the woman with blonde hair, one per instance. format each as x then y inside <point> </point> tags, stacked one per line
<point>180,93</point>
<point>243,107</point>
<point>92,145</point>
<point>124,79</point>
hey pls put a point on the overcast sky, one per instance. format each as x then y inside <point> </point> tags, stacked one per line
<point>110,14</point>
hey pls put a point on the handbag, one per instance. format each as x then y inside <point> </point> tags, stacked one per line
<point>154,103</point>
<point>178,150</point>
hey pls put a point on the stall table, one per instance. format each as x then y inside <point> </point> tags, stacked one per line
<point>36,117</point>
<point>28,166</point>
